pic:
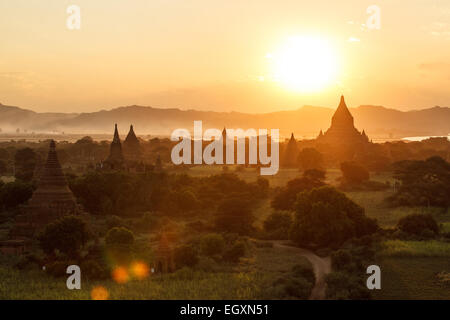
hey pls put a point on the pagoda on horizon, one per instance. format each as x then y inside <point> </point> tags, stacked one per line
<point>342,130</point>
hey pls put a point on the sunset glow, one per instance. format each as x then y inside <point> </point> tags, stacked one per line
<point>304,63</point>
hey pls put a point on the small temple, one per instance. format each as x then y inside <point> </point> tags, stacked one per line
<point>164,260</point>
<point>342,130</point>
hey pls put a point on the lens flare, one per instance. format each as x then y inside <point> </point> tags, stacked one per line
<point>140,270</point>
<point>120,275</point>
<point>99,293</point>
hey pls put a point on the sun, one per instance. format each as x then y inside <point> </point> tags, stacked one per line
<point>304,64</point>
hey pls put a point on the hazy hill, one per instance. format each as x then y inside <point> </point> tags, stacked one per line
<point>306,121</point>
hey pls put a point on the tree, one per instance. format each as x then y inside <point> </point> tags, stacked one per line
<point>119,238</point>
<point>185,255</point>
<point>119,242</point>
<point>327,218</point>
<point>285,198</point>
<point>212,244</point>
<point>67,235</point>
<point>234,215</point>
<point>277,224</point>
<point>315,174</point>
<point>417,224</point>
<point>25,162</point>
<point>310,158</point>
<point>15,193</point>
<point>423,183</point>
<point>354,173</point>
<point>3,167</point>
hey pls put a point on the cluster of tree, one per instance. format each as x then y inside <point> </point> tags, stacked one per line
<point>423,183</point>
<point>348,279</point>
<point>219,247</point>
<point>295,284</point>
<point>417,226</point>
<point>325,217</point>
<point>285,198</point>
<point>12,194</point>
<point>121,193</point>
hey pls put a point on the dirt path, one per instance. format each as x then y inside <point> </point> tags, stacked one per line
<point>321,267</point>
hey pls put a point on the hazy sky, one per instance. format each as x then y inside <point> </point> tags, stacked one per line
<point>213,55</point>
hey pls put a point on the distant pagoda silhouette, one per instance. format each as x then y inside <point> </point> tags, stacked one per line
<point>131,146</point>
<point>115,160</point>
<point>290,154</point>
<point>127,159</point>
<point>342,130</point>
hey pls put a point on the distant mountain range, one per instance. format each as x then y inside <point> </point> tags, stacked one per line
<point>306,121</point>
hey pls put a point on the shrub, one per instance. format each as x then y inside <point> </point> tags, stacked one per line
<point>234,215</point>
<point>299,288</point>
<point>212,244</point>
<point>57,268</point>
<point>302,271</point>
<point>419,224</point>
<point>340,259</point>
<point>277,225</point>
<point>119,237</point>
<point>235,252</point>
<point>342,285</point>
<point>68,235</point>
<point>119,242</point>
<point>185,255</point>
<point>93,270</point>
<point>354,173</point>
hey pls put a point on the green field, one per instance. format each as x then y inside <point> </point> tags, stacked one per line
<point>250,279</point>
<point>413,278</point>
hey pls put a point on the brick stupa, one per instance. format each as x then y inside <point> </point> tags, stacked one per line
<point>50,201</point>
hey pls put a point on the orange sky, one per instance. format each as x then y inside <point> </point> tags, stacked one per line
<point>211,55</point>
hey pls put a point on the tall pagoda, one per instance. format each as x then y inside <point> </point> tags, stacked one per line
<point>131,146</point>
<point>342,130</point>
<point>115,160</point>
<point>51,200</point>
<point>290,154</point>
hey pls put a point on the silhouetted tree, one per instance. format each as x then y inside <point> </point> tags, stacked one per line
<point>326,217</point>
<point>354,173</point>
<point>25,162</point>
<point>68,235</point>
<point>310,158</point>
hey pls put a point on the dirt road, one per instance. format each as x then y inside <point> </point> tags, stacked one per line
<point>321,267</point>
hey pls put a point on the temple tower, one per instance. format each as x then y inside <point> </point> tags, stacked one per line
<point>131,146</point>
<point>164,261</point>
<point>290,154</point>
<point>342,130</point>
<point>52,199</point>
<point>115,160</point>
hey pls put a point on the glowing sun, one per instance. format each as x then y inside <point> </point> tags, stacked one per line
<point>304,64</point>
